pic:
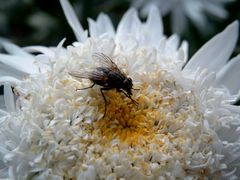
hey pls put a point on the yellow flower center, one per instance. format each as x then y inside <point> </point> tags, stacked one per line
<point>138,125</point>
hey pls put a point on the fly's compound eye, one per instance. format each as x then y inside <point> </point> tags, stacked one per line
<point>127,81</point>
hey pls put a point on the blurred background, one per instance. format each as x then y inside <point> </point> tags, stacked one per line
<point>42,22</point>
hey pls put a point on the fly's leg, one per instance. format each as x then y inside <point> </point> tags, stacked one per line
<point>127,95</point>
<point>105,101</point>
<point>135,89</point>
<point>86,87</point>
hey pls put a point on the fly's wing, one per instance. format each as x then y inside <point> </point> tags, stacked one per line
<point>105,61</point>
<point>91,75</point>
<point>99,73</point>
<point>80,75</point>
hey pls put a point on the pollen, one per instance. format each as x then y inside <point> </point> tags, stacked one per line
<point>127,122</point>
<point>134,125</point>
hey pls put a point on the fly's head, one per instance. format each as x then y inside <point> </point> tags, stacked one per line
<point>127,85</point>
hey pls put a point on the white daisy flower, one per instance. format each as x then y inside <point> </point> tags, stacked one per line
<point>184,127</point>
<point>182,10</point>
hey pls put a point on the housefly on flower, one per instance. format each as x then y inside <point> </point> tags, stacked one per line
<point>108,76</point>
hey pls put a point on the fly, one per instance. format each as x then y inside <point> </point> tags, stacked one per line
<point>108,76</point>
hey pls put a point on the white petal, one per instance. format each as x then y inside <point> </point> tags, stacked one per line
<point>60,50</point>
<point>216,9</point>
<point>103,25</point>
<point>130,24</point>
<point>229,75</point>
<point>165,6</point>
<point>20,63</point>
<point>41,49</point>
<point>60,44</point>
<point>215,53</point>
<point>72,19</point>
<point>6,70</point>
<point>11,80</point>
<point>194,10</point>
<point>2,103</point>
<point>154,23</point>
<point>184,47</point>
<point>178,20</point>
<point>207,81</point>
<point>13,49</point>
<point>3,113</point>
<point>9,98</point>
<point>173,42</point>
<point>93,28</point>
